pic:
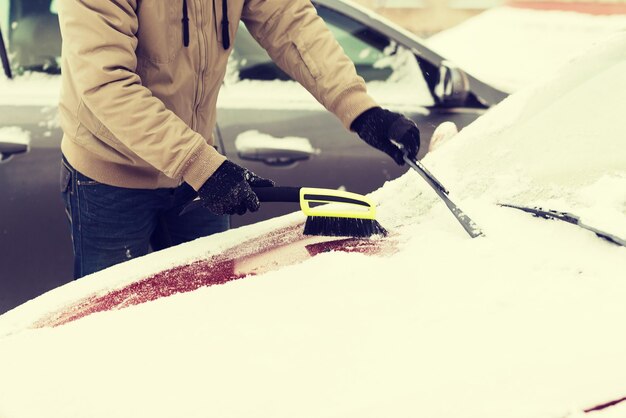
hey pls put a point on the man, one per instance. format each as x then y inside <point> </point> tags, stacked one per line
<point>140,84</point>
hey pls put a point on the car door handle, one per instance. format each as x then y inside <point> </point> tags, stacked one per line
<point>9,149</point>
<point>275,156</point>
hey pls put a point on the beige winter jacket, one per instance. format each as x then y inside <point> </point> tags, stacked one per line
<point>138,108</point>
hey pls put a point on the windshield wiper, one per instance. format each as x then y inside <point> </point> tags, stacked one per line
<point>5,57</point>
<point>569,218</point>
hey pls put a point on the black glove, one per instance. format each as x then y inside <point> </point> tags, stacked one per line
<point>228,190</point>
<point>378,127</point>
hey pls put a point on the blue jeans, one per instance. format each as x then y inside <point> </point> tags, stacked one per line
<point>113,224</point>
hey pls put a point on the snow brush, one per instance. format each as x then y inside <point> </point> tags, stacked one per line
<point>332,213</point>
<point>466,222</point>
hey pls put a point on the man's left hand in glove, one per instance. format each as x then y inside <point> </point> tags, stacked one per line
<point>229,190</point>
<point>389,132</point>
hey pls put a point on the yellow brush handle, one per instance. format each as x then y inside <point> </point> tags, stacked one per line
<point>352,205</point>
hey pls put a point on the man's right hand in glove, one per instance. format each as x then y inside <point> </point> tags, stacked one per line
<point>229,190</point>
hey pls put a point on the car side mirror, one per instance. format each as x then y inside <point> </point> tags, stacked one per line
<point>453,87</point>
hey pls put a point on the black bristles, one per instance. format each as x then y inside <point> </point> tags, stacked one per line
<point>343,227</point>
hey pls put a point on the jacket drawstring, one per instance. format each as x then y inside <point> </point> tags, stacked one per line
<point>185,21</point>
<point>225,25</point>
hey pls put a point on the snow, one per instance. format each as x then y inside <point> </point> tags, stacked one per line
<point>602,202</point>
<point>30,89</point>
<point>529,43</point>
<point>43,90</point>
<point>405,77</point>
<point>251,140</point>
<point>14,135</point>
<point>248,94</point>
<point>524,322</point>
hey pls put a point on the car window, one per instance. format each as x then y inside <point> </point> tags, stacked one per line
<point>368,49</point>
<point>34,38</point>
<point>361,44</point>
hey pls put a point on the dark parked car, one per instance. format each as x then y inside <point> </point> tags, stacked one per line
<point>265,122</point>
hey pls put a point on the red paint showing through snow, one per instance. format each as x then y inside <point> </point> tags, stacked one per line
<point>266,253</point>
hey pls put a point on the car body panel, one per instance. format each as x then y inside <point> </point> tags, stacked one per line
<point>35,247</point>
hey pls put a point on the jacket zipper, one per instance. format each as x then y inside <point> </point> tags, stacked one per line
<point>204,48</point>
<point>203,52</point>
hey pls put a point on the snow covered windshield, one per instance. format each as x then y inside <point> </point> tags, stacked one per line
<point>32,34</point>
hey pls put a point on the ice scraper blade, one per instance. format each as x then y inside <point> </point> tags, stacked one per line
<point>466,222</point>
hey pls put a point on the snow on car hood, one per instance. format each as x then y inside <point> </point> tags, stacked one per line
<point>523,322</point>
